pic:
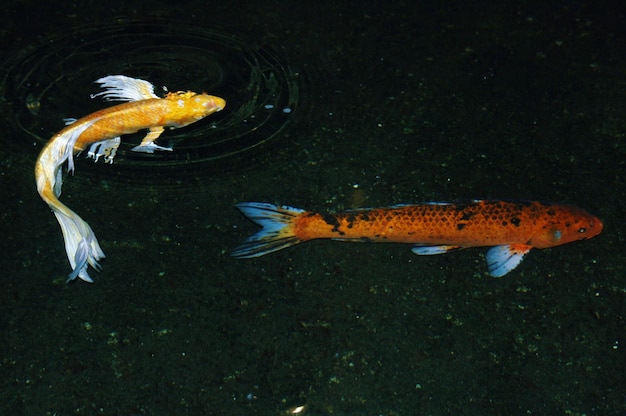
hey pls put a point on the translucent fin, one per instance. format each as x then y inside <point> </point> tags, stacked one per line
<point>503,259</point>
<point>123,88</point>
<point>68,150</point>
<point>277,232</point>
<point>147,145</point>
<point>432,250</point>
<point>81,245</point>
<point>106,148</point>
<point>58,184</point>
<point>59,149</point>
<point>150,148</point>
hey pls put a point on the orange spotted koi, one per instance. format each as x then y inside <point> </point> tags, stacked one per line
<point>510,228</point>
<point>101,131</point>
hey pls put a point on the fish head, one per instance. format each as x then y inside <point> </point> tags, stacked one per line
<point>190,107</point>
<point>566,224</point>
<point>205,104</point>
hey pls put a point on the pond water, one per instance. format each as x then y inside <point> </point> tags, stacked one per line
<point>330,106</point>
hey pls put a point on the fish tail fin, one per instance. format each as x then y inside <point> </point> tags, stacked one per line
<point>278,231</point>
<point>81,244</point>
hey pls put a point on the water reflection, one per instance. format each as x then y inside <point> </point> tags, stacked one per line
<point>53,79</point>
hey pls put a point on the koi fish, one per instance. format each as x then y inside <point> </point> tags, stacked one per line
<point>511,228</point>
<point>101,131</point>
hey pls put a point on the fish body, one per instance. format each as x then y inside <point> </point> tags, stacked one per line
<point>101,131</point>
<point>177,109</point>
<point>511,228</point>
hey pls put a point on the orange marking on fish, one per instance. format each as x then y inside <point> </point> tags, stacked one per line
<point>512,228</point>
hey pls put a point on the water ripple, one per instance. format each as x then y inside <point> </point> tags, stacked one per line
<point>53,79</point>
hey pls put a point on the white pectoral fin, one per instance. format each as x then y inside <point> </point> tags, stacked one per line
<point>432,250</point>
<point>503,259</point>
<point>147,145</point>
<point>123,88</point>
<point>106,148</point>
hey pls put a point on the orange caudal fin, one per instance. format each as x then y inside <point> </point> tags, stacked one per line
<point>277,233</point>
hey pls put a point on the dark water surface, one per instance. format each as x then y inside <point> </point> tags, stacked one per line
<point>331,105</point>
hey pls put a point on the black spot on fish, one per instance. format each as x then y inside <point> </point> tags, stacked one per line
<point>332,220</point>
<point>351,219</point>
<point>516,221</point>
<point>460,226</point>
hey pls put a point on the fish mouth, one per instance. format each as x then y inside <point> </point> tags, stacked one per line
<point>218,103</point>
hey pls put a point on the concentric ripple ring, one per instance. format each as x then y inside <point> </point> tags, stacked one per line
<point>53,80</point>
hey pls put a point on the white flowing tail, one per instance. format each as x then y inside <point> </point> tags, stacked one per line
<point>81,245</point>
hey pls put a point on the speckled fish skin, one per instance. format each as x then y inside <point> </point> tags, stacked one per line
<point>510,228</point>
<point>471,224</point>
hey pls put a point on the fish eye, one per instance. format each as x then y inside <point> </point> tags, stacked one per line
<point>582,230</point>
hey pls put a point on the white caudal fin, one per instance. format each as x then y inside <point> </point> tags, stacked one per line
<point>277,232</point>
<point>123,88</point>
<point>81,245</point>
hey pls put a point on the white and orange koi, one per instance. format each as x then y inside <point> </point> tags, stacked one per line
<point>101,131</point>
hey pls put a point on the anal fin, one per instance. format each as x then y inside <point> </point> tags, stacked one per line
<point>106,148</point>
